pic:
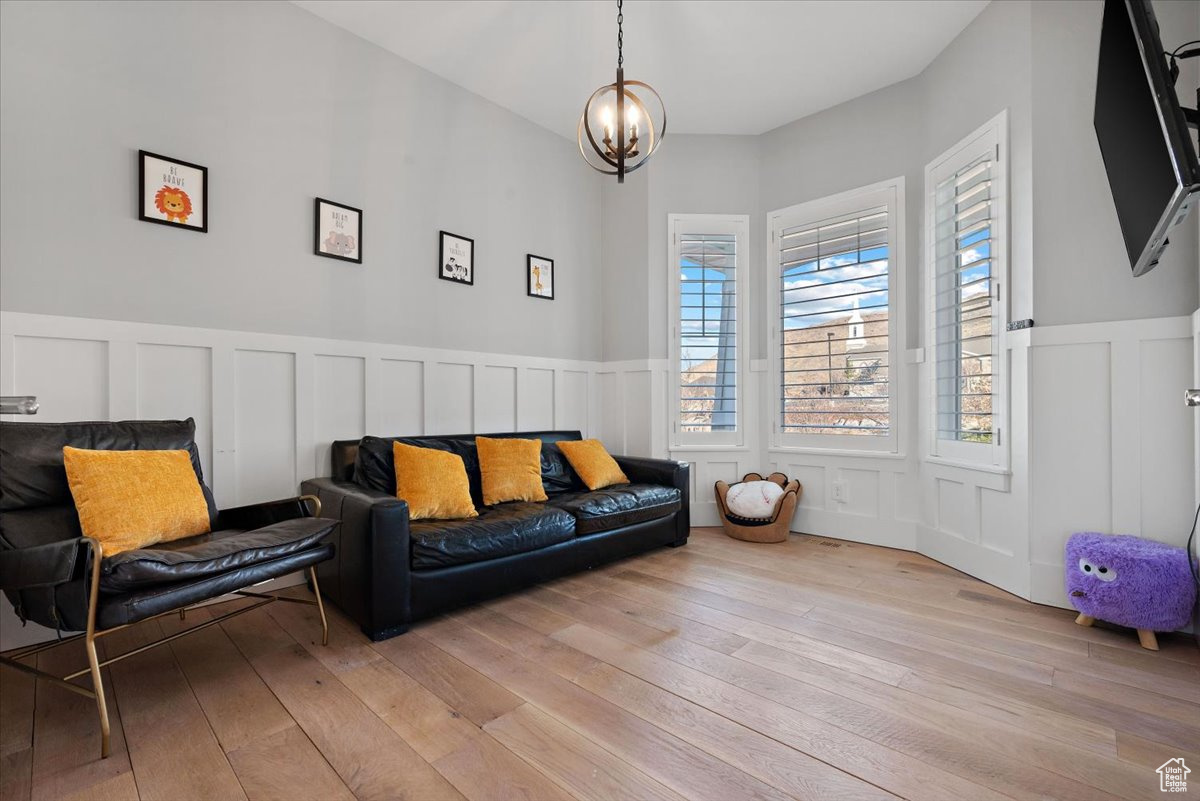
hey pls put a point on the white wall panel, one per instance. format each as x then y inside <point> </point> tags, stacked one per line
<point>398,398</point>
<point>1165,436</point>
<point>536,404</point>
<point>339,405</point>
<point>638,427</point>
<point>954,505</point>
<point>496,400</point>
<point>69,376</point>
<point>1072,446</point>
<point>612,411</point>
<point>265,428</point>
<point>573,403</point>
<point>174,382</point>
<point>450,395</point>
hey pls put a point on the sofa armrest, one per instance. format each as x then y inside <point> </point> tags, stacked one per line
<point>259,515</point>
<point>40,565</point>
<point>369,577</point>
<point>668,473</point>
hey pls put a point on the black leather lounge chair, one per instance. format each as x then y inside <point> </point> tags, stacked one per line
<point>58,578</point>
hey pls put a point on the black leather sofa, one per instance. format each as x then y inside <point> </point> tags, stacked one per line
<point>389,571</point>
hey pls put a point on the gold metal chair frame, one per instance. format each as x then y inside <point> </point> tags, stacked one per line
<point>90,636</point>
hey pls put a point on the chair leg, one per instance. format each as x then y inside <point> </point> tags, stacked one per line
<point>182,614</point>
<point>98,688</point>
<point>1147,639</point>
<point>312,574</point>
<point>1085,620</point>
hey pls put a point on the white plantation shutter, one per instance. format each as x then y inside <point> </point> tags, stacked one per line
<point>834,314</point>
<point>707,260</point>
<point>964,294</point>
<point>965,246</point>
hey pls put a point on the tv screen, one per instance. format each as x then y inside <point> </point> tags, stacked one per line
<point>1143,134</point>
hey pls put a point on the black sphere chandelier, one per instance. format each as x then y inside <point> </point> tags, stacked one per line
<point>635,137</point>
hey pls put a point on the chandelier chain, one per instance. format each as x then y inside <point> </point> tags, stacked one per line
<point>620,35</point>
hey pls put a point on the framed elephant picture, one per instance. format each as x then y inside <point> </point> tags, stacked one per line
<point>338,231</point>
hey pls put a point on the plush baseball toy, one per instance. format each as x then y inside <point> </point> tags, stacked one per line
<point>753,500</point>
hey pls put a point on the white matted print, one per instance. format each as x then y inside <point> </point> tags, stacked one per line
<point>456,258</point>
<point>539,276</point>
<point>338,231</point>
<point>172,192</point>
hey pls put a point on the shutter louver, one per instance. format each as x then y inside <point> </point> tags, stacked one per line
<point>834,290</point>
<point>964,294</point>
<point>707,332</point>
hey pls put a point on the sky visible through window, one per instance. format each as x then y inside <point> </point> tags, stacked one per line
<point>708,332</point>
<point>834,294</point>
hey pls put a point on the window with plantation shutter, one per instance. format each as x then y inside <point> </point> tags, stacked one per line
<point>708,261</point>
<point>835,339</point>
<point>965,250</point>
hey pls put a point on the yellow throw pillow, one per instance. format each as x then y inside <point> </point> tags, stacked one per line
<point>133,499</point>
<point>511,469</point>
<point>433,482</point>
<point>593,464</point>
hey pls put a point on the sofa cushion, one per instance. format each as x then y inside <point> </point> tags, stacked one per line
<point>502,530</point>
<point>375,467</point>
<point>210,554</point>
<point>618,506</point>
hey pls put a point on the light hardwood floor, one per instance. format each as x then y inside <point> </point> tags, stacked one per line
<point>811,669</point>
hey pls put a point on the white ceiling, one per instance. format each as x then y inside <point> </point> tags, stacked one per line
<point>738,67</point>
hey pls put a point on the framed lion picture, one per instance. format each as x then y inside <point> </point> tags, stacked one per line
<point>172,192</point>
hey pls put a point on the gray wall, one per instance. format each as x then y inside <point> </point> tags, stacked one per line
<point>1081,271</point>
<point>281,107</point>
<point>1038,61</point>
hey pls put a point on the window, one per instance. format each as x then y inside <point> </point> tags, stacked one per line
<point>965,245</point>
<point>836,275</point>
<point>708,258</point>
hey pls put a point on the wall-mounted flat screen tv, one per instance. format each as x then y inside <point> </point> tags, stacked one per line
<point>1143,133</point>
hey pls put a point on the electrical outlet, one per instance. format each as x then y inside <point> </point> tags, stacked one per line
<point>841,492</point>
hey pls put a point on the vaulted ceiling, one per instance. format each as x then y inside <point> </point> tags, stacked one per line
<point>738,67</point>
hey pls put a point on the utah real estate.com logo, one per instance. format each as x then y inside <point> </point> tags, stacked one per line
<point>1172,776</point>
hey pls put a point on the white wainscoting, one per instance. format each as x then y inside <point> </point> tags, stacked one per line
<point>1112,445</point>
<point>267,406</point>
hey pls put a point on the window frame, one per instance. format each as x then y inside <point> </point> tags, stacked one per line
<point>991,137</point>
<point>889,193</point>
<point>739,226</point>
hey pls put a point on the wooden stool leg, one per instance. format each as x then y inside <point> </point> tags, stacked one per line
<point>1147,639</point>
<point>1085,620</point>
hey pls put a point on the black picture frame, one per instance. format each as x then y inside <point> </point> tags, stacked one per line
<point>331,250</point>
<point>168,216</point>
<point>447,267</point>
<point>529,278</point>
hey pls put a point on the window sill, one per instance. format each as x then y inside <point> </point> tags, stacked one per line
<point>959,464</point>
<point>849,452</point>
<point>693,448</point>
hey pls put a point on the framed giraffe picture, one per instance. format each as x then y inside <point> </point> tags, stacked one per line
<point>539,277</point>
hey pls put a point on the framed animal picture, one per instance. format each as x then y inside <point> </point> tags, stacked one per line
<point>456,258</point>
<point>539,273</point>
<point>172,192</point>
<point>338,231</point>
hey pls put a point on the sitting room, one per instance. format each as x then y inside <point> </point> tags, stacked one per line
<point>738,400</point>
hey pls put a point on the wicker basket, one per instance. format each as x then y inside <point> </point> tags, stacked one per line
<point>774,529</point>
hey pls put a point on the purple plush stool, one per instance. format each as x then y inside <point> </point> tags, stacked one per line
<point>1132,582</point>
